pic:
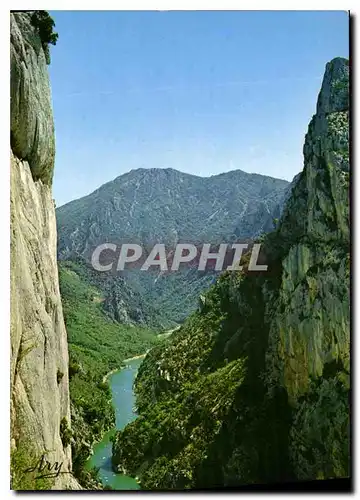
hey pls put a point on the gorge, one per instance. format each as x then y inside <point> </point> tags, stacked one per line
<point>254,387</point>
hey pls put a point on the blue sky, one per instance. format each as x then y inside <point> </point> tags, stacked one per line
<point>201,92</point>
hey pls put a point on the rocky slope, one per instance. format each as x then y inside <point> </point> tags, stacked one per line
<point>121,302</point>
<point>40,411</point>
<point>166,206</point>
<point>149,206</point>
<point>254,387</point>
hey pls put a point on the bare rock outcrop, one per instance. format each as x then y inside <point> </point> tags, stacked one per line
<point>40,406</point>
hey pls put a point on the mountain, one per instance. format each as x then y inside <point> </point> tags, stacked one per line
<point>254,387</point>
<point>166,206</point>
<point>39,385</point>
<point>148,206</point>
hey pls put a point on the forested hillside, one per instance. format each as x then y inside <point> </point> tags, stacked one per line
<point>254,387</point>
<point>97,345</point>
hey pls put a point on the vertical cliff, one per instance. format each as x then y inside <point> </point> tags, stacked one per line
<point>40,410</point>
<point>312,317</point>
<point>254,387</point>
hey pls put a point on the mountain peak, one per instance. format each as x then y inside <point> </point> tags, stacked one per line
<point>334,94</point>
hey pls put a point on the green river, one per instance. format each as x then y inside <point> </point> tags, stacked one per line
<point>121,384</point>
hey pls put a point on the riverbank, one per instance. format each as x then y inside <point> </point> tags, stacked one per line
<point>140,356</point>
<point>168,333</point>
<point>128,360</point>
<point>135,357</point>
<point>109,374</point>
<point>121,384</point>
<point>121,381</point>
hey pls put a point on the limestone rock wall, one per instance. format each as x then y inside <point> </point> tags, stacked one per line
<point>312,321</point>
<point>39,352</point>
<point>32,124</point>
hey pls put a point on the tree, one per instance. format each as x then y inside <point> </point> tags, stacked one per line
<point>44,24</point>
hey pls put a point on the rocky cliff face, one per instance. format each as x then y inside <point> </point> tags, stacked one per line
<point>254,387</point>
<point>315,232</point>
<point>40,412</point>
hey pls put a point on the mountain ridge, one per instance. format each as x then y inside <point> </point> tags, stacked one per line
<point>148,206</point>
<point>176,171</point>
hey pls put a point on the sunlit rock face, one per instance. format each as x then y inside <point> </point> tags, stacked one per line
<point>312,325</point>
<point>32,124</point>
<point>39,352</point>
<point>310,335</point>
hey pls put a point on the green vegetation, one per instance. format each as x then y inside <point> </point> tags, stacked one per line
<point>175,292</point>
<point>212,412</point>
<point>97,345</point>
<point>200,396</point>
<point>120,302</point>
<point>23,458</point>
<point>321,426</point>
<point>44,25</point>
<point>59,376</point>
<point>254,386</point>
<point>65,432</point>
<point>341,86</point>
